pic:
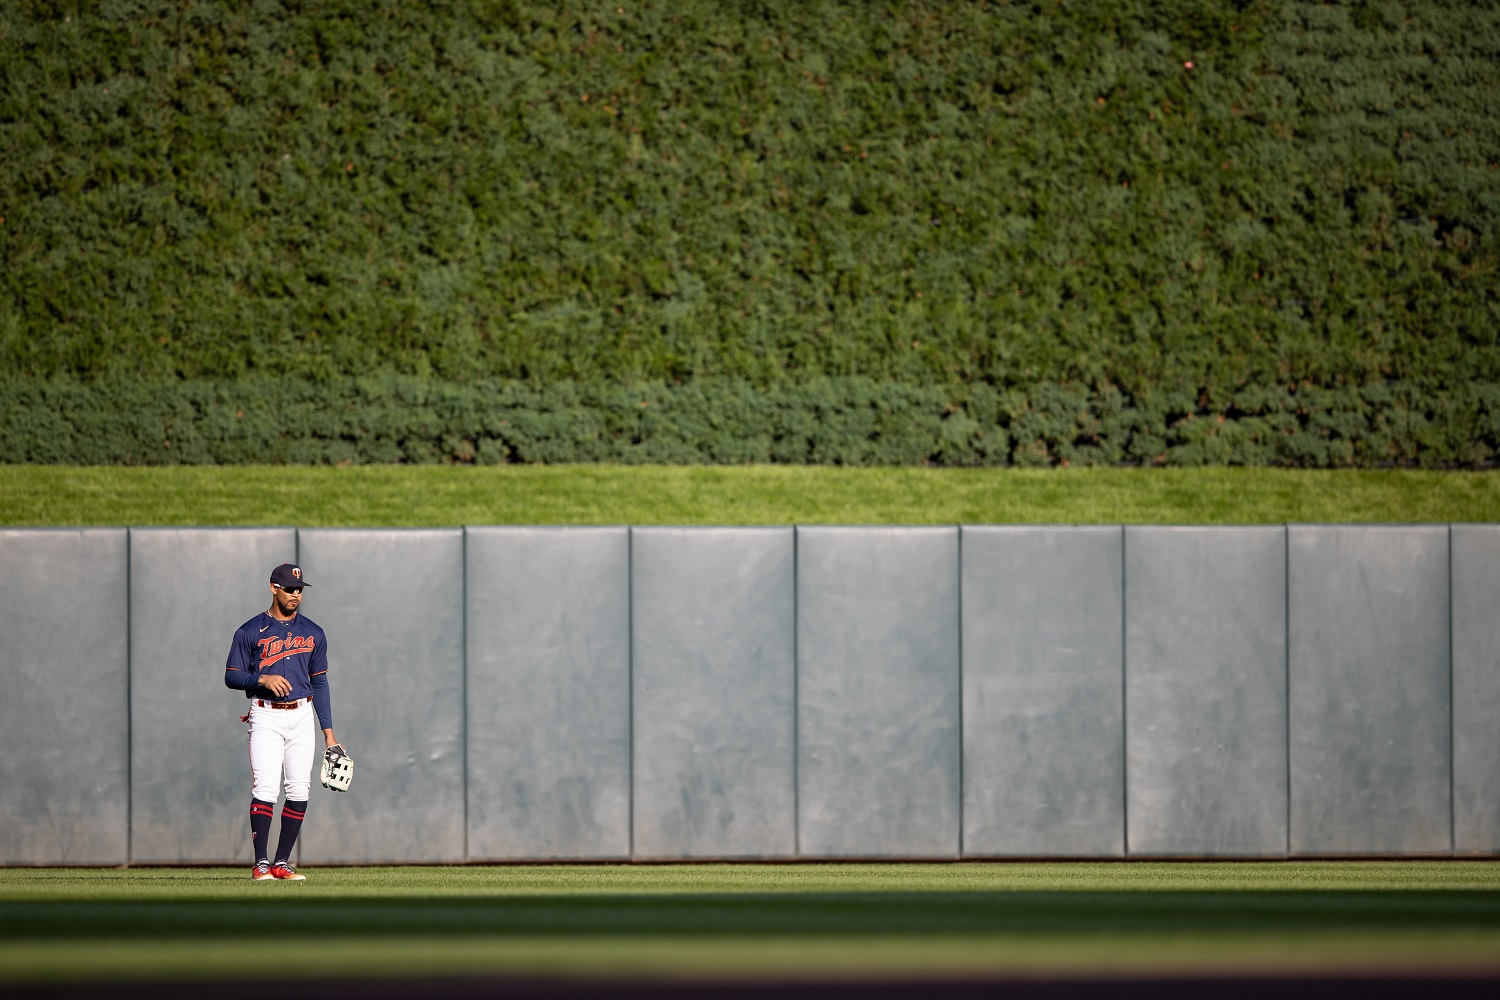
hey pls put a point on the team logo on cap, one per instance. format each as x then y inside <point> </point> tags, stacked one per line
<point>297,572</point>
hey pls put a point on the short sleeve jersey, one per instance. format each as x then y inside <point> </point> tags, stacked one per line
<point>296,649</point>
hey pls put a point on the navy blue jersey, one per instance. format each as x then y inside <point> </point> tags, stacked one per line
<point>297,650</point>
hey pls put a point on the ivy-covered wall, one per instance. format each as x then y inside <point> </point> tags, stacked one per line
<point>1260,231</point>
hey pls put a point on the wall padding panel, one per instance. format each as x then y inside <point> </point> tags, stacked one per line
<point>190,589</point>
<point>878,692</point>
<point>392,605</point>
<point>1043,719</point>
<point>1476,689</point>
<point>1369,689</point>
<point>64,726</point>
<point>548,692</point>
<point>1205,691</point>
<point>714,699</point>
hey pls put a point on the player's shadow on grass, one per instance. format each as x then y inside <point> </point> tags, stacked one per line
<point>766,914</point>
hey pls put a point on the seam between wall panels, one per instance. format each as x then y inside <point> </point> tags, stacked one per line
<point>630,688</point>
<point>129,713</point>
<point>463,680</point>
<point>1452,714</point>
<point>796,702</point>
<point>1286,662</point>
<point>960,595</point>
<point>1124,714</point>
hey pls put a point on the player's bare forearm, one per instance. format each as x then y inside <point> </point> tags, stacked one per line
<point>328,738</point>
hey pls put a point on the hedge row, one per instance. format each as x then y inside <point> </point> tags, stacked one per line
<point>843,421</point>
<point>1219,193</point>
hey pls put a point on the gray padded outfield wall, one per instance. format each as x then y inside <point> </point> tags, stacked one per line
<point>64,726</point>
<point>392,605</point>
<point>598,693</point>
<point>190,588</point>
<point>1205,691</point>
<point>1369,689</point>
<point>1042,711</point>
<point>712,630</point>
<point>1476,689</point>
<point>878,692</point>
<point>548,640</point>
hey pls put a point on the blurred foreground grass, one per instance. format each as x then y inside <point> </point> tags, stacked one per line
<point>760,921</point>
<point>422,496</point>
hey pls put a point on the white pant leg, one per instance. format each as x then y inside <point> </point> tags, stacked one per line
<point>267,753</point>
<point>281,752</point>
<point>298,760</point>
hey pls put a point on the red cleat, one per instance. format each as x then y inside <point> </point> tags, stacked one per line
<point>282,870</point>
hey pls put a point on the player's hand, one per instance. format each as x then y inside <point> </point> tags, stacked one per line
<point>277,685</point>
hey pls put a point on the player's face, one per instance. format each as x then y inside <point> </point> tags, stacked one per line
<point>287,600</point>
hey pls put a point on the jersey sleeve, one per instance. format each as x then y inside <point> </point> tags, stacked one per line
<point>317,676</point>
<point>240,670</point>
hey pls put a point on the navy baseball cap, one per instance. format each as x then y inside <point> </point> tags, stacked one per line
<point>286,576</point>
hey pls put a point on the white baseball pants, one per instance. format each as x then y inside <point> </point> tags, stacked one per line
<point>281,751</point>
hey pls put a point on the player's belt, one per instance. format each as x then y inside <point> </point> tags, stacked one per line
<point>282,704</point>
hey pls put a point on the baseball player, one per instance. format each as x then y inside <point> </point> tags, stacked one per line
<point>280,660</point>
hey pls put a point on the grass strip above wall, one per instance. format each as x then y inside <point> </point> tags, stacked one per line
<point>397,496</point>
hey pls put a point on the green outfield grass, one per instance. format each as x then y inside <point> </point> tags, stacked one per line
<point>759,921</point>
<point>408,496</point>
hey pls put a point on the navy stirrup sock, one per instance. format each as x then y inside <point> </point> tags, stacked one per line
<point>260,826</point>
<point>291,825</point>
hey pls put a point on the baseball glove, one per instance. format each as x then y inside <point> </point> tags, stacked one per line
<point>338,769</point>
